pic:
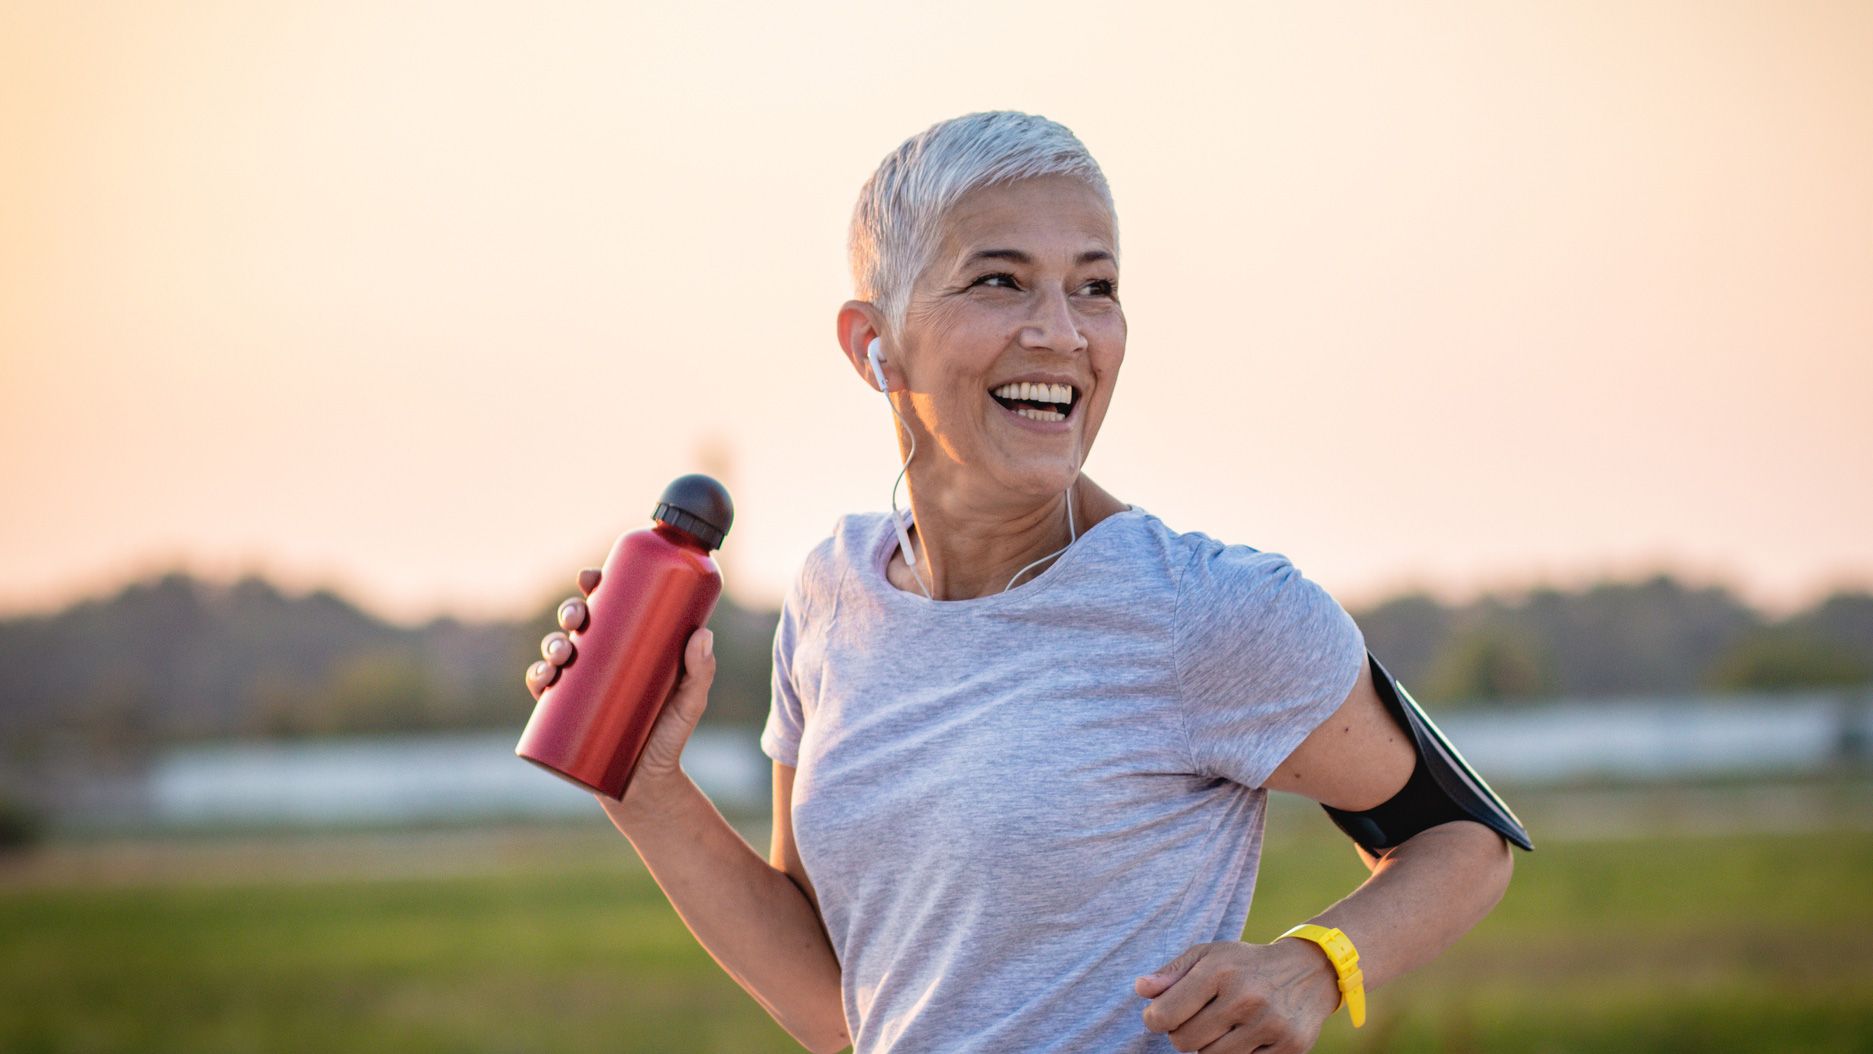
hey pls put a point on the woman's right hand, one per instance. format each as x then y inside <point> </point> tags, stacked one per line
<point>759,920</point>
<point>658,764</point>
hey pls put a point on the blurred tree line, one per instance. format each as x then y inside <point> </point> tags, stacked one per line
<point>175,658</point>
<point>1655,636</point>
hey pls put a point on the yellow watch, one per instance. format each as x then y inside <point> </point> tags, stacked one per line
<point>1345,959</point>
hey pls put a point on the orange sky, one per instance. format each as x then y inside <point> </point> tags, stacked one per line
<point>426,302</point>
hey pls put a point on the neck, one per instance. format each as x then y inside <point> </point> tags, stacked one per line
<point>968,548</point>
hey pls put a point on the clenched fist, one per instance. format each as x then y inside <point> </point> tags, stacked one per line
<point>1231,997</point>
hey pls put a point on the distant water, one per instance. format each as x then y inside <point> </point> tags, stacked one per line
<point>1663,739</point>
<point>410,778</point>
<point>476,774</point>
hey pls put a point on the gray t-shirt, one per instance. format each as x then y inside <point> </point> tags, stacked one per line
<point>1012,806</point>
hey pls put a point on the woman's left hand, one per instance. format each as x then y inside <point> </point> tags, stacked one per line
<point>1231,997</point>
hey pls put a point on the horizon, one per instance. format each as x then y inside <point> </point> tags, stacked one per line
<point>1508,593</point>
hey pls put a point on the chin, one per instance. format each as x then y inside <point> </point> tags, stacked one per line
<point>1041,481</point>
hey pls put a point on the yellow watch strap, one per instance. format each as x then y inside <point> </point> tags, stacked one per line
<point>1345,959</point>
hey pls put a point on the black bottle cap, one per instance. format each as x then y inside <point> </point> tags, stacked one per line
<point>698,506</point>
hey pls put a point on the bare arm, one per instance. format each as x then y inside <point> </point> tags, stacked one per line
<point>758,920</point>
<point>1421,897</point>
<point>1423,894</point>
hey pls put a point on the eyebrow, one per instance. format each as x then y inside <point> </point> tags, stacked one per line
<point>1017,256</point>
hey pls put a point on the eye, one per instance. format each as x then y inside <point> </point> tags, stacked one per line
<point>1101,287</point>
<point>996,280</point>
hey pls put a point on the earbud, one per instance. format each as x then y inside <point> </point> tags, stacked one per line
<point>874,352</point>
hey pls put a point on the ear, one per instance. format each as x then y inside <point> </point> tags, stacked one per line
<point>860,321</point>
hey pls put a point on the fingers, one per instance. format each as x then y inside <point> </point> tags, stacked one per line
<point>1233,998</point>
<point>684,707</point>
<point>573,614</point>
<point>1154,983</point>
<point>1260,1036</point>
<point>1242,1040</point>
<point>1191,985</point>
<point>1211,1024</point>
<point>539,675</point>
<point>691,694</point>
<point>556,649</point>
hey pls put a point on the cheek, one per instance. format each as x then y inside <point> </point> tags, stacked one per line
<point>1109,352</point>
<point>950,342</point>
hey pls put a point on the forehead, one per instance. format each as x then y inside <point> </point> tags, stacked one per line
<point>1044,217</point>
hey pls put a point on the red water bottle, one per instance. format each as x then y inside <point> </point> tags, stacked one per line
<point>658,586</point>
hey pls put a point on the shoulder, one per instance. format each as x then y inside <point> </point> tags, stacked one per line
<point>852,539</point>
<point>1238,590</point>
<point>1143,547</point>
<point>1200,570</point>
<point>1214,568</point>
<point>1200,563</point>
<point>1262,655</point>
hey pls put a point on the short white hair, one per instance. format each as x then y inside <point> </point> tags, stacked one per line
<point>896,225</point>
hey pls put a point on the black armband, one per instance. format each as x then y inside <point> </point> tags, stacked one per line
<point>1443,787</point>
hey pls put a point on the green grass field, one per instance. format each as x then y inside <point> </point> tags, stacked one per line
<point>559,941</point>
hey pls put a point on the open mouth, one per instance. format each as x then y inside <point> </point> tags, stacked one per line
<point>1037,402</point>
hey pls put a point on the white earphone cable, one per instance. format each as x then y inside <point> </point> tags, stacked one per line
<point>1072,536</point>
<point>897,518</point>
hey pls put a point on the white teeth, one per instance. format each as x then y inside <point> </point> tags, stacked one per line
<point>1034,392</point>
<point>1041,415</point>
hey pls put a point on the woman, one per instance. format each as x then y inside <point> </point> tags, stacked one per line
<point>1022,737</point>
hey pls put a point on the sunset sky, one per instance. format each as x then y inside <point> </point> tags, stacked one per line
<point>425,302</point>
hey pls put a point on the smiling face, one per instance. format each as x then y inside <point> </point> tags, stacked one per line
<point>1013,337</point>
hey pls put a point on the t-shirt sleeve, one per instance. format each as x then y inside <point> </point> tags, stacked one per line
<point>780,739</point>
<point>1263,656</point>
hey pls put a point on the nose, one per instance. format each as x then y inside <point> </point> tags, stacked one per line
<point>1053,325</point>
